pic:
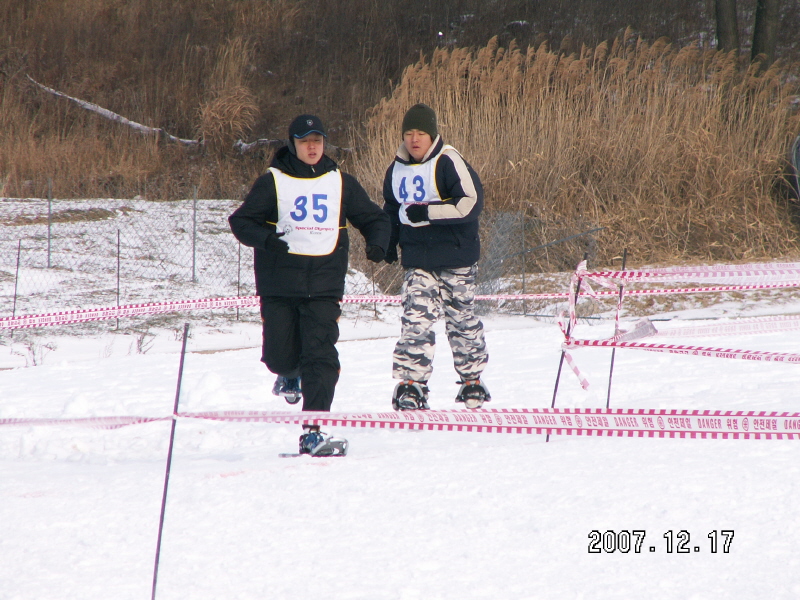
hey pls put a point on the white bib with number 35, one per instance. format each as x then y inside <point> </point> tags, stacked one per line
<point>308,211</point>
<point>416,183</point>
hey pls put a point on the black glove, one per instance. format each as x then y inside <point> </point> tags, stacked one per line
<point>274,242</point>
<point>375,253</point>
<point>391,255</point>
<point>417,213</point>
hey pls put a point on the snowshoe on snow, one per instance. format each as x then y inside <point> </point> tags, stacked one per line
<point>289,388</point>
<point>316,443</point>
<point>473,393</point>
<point>410,395</point>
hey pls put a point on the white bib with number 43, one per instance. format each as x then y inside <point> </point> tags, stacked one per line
<point>416,183</point>
<point>308,211</point>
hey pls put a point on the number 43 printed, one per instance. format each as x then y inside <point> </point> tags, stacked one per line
<point>419,189</point>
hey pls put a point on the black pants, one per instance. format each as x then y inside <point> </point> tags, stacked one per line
<point>300,336</point>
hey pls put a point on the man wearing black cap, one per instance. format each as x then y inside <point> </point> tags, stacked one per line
<point>433,198</point>
<point>295,217</point>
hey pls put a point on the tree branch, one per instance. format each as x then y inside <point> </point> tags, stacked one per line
<point>112,116</point>
<point>245,147</point>
<point>239,145</point>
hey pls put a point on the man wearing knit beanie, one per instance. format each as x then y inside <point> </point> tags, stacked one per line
<point>421,117</point>
<point>434,198</point>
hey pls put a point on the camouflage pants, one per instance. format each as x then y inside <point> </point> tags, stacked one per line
<point>425,295</point>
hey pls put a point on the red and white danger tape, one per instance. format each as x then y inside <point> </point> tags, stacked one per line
<point>645,328</point>
<point>553,421</point>
<point>704,290</point>
<point>753,325</point>
<point>83,315</point>
<point>751,355</point>
<point>549,421</point>
<point>771,272</point>
<point>90,422</point>
<point>574,367</point>
<point>773,275</point>
<point>128,310</point>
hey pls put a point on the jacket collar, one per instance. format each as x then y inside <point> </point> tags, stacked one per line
<point>404,157</point>
<point>293,166</point>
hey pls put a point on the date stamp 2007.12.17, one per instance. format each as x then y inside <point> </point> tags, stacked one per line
<point>625,541</point>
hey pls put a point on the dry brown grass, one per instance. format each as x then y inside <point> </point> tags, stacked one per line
<point>186,66</point>
<point>196,68</point>
<point>231,110</point>
<point>677,152</point>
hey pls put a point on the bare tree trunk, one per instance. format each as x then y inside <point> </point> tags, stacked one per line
<point>727,25</point>
<point>765,33</point>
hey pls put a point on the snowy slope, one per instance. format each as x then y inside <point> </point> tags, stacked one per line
<point>408,515</point>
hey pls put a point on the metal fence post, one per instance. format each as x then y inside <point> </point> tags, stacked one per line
<point>616,329</point>
<point>563,351</point>
<point>49,216</point>
<point>372,277</point>
<point>194,237</point>
<point>239,278</point>
<point>118,270</point>
<point>169,460</point>
<point>16,283</point>
<point>524,264</point>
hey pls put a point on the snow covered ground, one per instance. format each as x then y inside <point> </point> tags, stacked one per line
<point>408,515</point>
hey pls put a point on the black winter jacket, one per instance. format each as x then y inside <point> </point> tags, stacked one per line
<point>451,241</point>
<point>295,275</point>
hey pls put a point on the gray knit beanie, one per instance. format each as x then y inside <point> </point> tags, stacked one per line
<point>422,117</point>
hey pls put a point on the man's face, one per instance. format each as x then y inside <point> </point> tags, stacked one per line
<point>310,148</point>
<point>417,143</point>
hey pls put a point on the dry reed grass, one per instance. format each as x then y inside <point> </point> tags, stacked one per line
<point>196,68</point>
<point>186,66</point>
<point>677,152</point>
<point>231,110</point>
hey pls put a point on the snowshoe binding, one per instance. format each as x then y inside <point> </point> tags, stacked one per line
<point>410,395</point>
<point>289,388</point>
<point>473,393</point>
<point>316,443</point>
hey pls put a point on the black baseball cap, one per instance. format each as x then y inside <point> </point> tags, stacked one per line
<point>305,124</point>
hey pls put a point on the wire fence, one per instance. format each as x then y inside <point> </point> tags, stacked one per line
<point>86,253</point>
<point>57,254</point>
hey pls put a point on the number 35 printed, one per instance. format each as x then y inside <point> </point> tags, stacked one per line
<point>319,210</point>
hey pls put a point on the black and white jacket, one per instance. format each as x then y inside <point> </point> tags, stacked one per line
<point>449,239</point>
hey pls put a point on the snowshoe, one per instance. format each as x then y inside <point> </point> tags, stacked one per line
<point>316,443</point>
<point>410,395</point>
<point>473,393</point>
<point>331,446</point>
<point>289,388</point>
